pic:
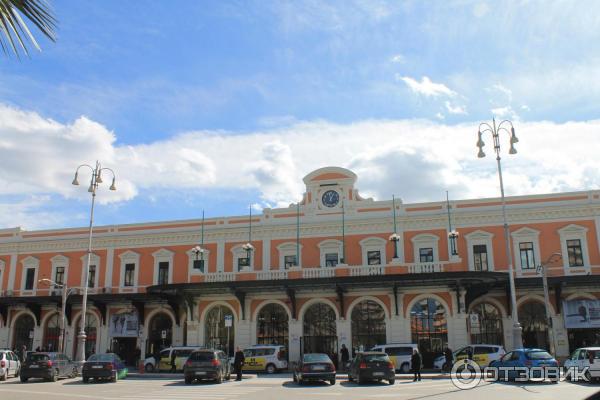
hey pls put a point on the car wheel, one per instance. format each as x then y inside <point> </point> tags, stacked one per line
<point>149,367</point>
<point>4,376</point>
<point>332,381</point>
<point>86,379</point>
<point>588,377</point>
<point>54,376</point>
<point>404,368</point>
<point>271,369</point>
<point>23,379</point>
<point>219,379</point>
<point>115,378</point>
<point>392,381</point>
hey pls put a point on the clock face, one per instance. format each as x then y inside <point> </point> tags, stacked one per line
<point>331,198</point>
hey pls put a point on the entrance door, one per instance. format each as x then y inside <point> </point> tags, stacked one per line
<point>320,333</point>
<point>125,347</point>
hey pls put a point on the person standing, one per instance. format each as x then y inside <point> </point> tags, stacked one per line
<point>238,363</point>
<point>345,357</point>
<point>415,362</point>
<point>449,358</point>
<point>173,357</point>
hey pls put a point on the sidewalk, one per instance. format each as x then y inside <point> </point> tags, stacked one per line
<point>339,375</point>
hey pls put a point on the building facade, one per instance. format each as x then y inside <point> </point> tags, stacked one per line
<point>320,274</point>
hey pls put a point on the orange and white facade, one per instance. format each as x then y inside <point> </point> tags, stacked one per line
<point>322,273</point>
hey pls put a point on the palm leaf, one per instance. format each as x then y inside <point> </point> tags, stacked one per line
<point>15,36</point>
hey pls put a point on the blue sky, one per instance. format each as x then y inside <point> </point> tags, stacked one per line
<point>219,104</point>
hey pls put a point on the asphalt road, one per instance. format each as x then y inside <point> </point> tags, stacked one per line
<point>280,387</point>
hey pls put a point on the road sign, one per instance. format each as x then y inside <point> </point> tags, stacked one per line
<point>474,322</point>
<point>163,334</point>
<point>228,321</point>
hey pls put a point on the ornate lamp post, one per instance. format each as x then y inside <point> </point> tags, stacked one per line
<point>248,248</point>
<point>95,181</point>
<point>495,130</point>
<point>394,237</point>
<point>65,293</point>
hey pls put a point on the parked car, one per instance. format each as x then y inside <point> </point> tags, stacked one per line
<point>9,364</point>
<point>370,366</point>
<point>104,367</point>
<point>528,358</point>
<point>207,364</point>
<point>581,357</point>
<point>314,367</point>
<point>151,364</point>
<point>399,353</point>
<point>483,354</point>
<point>49,366</point>
<point>268,358</point>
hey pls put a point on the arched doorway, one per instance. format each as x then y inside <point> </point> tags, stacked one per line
<point>52,333</point>
<point>368,325</point>
<point>272,325</point>
<point>429,329</point>
<point>216,334</point>
<point>23,332</point>
<point>91,332</point>
<point>532,316</point>
<point>489,330</point>
<point>160,333</point>
<point>319,331</point>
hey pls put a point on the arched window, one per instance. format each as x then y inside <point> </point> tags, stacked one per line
<point>23,333</point>
<point>429,329</point>
<point>160,330</point>
<point>91,331</point>
<point>532,316</point>
<point>489,329</point>
<point>368,325</point>
<point>217,335</point>
<point>272,325</point>
<point>319,330</point>
<point>52,333</point>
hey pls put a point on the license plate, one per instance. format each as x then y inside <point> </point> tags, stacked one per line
<point>97,366</point>
<point>318,368</point>
<point>34,366</point>
<point>200,373</point>
<point>378,373</point>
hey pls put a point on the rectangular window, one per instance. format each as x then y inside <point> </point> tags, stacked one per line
<point>92,276</point>
<point>527,257</point>
<point>199,265</point>
<point>29,278</point>
<point>331,259</point>
<point>575,253</point>
<point>163,273</point>
<point>374,257</point>
<point>426,255</point>
<point>243,262</point>
<point>129,275</point>
<point>59,275</point>
<point>480,257</point>
<point>289,261</point>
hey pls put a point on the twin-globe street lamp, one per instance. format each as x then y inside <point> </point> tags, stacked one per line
<point>495,131</point>
<point>94,182</point>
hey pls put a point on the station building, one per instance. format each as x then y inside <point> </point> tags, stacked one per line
<point>320,274</point>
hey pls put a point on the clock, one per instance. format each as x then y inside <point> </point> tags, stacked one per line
<point>330,198</point>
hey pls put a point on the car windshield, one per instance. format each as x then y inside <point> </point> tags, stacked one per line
<point>37,357</point>
<point>101,357</point>
<point>376,357</point>
<point>538,355</point>
<point>310,358</point>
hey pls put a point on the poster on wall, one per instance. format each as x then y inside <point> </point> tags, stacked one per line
<point>581,313</point>
<point>124,324</point>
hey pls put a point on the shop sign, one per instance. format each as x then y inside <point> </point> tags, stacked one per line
<point>124,324</point>
<point>581,313</point>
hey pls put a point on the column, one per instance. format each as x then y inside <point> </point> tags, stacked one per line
<point>242,333</point>
<point>295,333</point>
<point>344,333</point>
<point>110,255</point>
<point>266,253</point>
<point>12,272</point>
<point>220,255</point>
<point>458,336</point>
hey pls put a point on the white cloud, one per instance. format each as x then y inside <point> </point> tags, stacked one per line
<point>415,159</point>
<point>398,58</point>
<point>426,87</point>
<point>455,108</point>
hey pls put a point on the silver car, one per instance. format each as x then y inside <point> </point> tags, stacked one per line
<point>10,365</point>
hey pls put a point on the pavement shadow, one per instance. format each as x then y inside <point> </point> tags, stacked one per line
<point>294,385</point>
<point>365,384</point>
<point>197,383</point>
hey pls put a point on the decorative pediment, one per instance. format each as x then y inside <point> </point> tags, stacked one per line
<point>30,261</point>
<point>59,260</point>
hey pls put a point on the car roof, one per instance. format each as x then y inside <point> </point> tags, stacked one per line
<point>527,349</point>
<point>372,352</point>
<point>396,344</point>
<point>588,348</point>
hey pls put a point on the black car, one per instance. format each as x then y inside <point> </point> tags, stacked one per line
<point>207,364</point>
<point>103,367</point>
<point>314,367</point>
<point>47,365</point>
<point>371,366</point>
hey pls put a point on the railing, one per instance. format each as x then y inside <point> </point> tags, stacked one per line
<point>221,277</point>
<point>425,268</point>
<point>310,273</point>
<point>366,270</point>
<point>271,275</point>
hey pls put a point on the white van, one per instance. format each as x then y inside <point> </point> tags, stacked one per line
<point>399,353</point>
<point>265,357</point>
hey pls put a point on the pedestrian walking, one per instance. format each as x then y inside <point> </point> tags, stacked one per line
<point>415,362</point>
<point>173,357</point>
<point>345,357</point>
<point>238,363</point>
<point>449,358</point>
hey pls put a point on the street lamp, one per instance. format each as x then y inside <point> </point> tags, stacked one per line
<point>395,238</point>
<point>65,293</point>
<point>542,268</point>
<point>453,236</point>
<point>495,131</point>
<point>95,180</point>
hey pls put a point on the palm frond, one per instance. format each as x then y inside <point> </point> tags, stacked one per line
<point>15,36</point>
